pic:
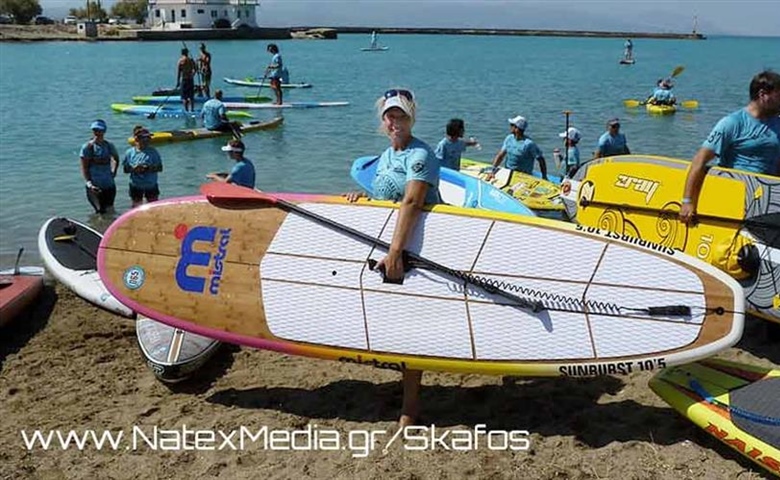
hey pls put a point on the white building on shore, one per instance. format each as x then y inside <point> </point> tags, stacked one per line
<point>181,14</point>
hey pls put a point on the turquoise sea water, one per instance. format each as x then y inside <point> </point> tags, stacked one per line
<point>50,93</point>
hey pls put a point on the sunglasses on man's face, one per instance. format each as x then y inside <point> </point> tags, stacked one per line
<point>395,93</point>
<point>617,125</point>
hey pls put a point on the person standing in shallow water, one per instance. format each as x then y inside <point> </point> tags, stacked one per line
<point>143,163</point>
<point>185,77</point>
<point>407,172</point>
<point>204,66</point>
<point>274,71</point>
<point>99,163</point>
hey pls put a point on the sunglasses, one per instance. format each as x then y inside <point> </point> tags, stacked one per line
<point>616,125</point>
<point>395,93</point>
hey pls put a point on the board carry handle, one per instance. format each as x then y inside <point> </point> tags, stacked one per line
<point>221,191</point>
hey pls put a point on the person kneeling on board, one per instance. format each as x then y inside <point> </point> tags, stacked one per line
<point>748,139</point>
<point>407,172</point>
<point>142,162</point>
<point>99,162</point>
<point>662,95</point>
<point>243,172</point>
<point>214,116</point>
<point>520,151</point>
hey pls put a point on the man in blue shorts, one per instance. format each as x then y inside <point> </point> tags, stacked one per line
<point>243,172</point>
<point>612,142</point>
<point>748,139</point>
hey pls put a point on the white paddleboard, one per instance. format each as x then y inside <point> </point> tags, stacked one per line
<point>248,105</point>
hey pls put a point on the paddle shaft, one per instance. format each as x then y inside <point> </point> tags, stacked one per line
<point>566,143</point>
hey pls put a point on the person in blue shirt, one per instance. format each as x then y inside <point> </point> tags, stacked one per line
<point>451,147</point>
<point>662,95</point>
<point>571,161</point>
<point>243,172</point>
<point>407,172</point>
<point>519,151</point>
<point>748,139</point>
<point>274,71</point>
<point>629,52</point>
<point>214,115</point>
<point>99,162</point>
<point>143,163</point>
<point>612,142</point>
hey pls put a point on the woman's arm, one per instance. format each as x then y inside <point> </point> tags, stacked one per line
<point>408,214</point>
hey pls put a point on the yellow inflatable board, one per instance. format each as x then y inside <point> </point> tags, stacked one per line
<point>738,226</point>
<point>738,404</point>
<point>535,193</point>
<point>168,136</point>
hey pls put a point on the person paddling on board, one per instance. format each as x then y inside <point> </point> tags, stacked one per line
<point>185,77</point>
<point>662,95</point>
<point>373,39</point>
<point>748,139</point>
<point>612,142</point>
<point>143,163</point>
<point>519,151</point>
<point>99,162</point>
<point>274,71</point>
<point>214,115</point>
<point>628,54</point>
<point>204,66</point>
<point>243,172</point>
<point>571,138</point>
<point>451,147</point>
<point>407,172</point>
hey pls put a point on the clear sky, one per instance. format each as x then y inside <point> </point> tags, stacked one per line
<point>715,17</point>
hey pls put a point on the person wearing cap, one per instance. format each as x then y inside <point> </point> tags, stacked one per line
<point>662,95</point>
<point>243,172</point>
<point>214,115</point>
<point>143,163</point>
<point>748,140</point>
<point>204,66</point>
<point>629,52</point>
<point>612,142</point>
<point>407,172</point>
<point>274,71</point>
<point>185,77</point>
<point>519,151</point>
<point>452,146</point>
<point>571,138</point>
<point>99,163</point>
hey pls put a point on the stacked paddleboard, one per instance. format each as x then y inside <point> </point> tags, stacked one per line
<point>175,99</point>
<point>736,403</point>
<point>69,251</point>
<point>738,227</point>
<point>486,292</point>
<point>534,192</point>
<point>455,188</point>
<point>187,134</point>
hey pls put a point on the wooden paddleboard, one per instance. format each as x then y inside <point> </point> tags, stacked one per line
<point>252,273</point>
<point>533,192</point>
<point>738,404</point>
<point>639,196</point>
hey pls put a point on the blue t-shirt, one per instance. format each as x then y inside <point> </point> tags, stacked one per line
<point>277,61</point>
<point>99,156</point>
<point>448,152</point>
<point>741,141</point>
<point>610,145</point>
<point>416,162</point>
<point>134,158</point>
<point>212,113</point>
<point>663,96</point>
<point>574,156</point>
<point>520,154</point>
<point>243,173</point>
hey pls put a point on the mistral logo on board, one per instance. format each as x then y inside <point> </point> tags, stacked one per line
<point>205,247</point>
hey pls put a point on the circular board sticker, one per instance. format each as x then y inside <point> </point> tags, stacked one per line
<point>134,277</point>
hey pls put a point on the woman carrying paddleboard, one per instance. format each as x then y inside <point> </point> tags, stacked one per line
<point>408,172</point>
<point>748,139</point>
<point>99,162</point>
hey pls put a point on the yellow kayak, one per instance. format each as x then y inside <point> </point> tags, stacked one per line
<point>533,192</point>
<point>660,109</point>
<point>184,135</point>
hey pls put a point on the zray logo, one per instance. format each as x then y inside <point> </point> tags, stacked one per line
<point>190,256</point>
<point>640,185</point>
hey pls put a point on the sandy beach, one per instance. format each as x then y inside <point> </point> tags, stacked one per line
<point>68,365</point>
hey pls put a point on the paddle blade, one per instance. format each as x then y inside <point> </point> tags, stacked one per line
<point>690,104</point>
<point>631,103</point>
<point>227,191</point>
<point>678,70</point>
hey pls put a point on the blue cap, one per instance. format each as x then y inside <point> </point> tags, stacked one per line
<point>98,125</point>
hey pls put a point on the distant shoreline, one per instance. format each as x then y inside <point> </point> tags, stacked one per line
<point>59,32</point>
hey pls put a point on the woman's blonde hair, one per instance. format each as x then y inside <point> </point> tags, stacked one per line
<point>409,107</point>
